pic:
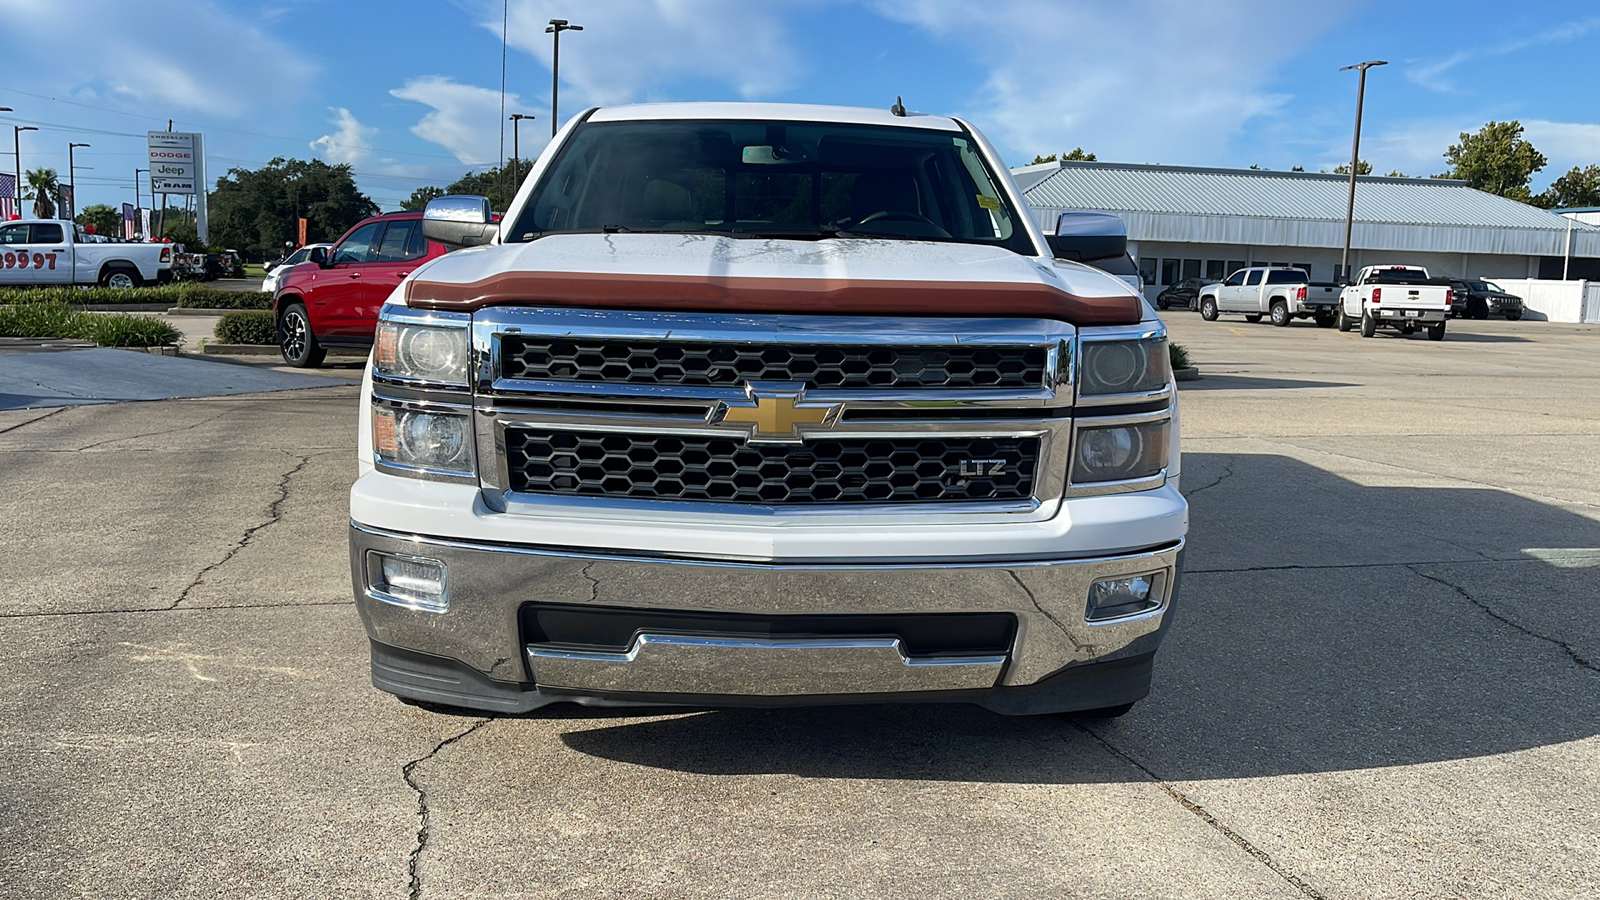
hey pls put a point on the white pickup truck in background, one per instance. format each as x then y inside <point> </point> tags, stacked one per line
<point>1284,294</point>
<point>1404,298</point>
<point>50,251</point>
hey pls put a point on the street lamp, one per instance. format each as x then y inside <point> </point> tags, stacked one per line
<point>556,27</point>
<point>516,151</point>
<point>16,147</point>
<point>72,177</point>
<point>19,167</point>
<point>1355,160</point>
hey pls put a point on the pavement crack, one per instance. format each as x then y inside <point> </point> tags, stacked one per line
<point>408,772</point>
<point>165,431</point>
<point>47,614</point>
<point>57,411</point>
<point>594,583</point>
<point>274,513</point>
<point>1227,473</point>
<point>1505,620</point>
<point>1206,816</point>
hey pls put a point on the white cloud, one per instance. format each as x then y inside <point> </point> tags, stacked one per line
<point>350,144</point>
<point>465,118</point>
<point>1168,81</point>
<point>1433,75</point>
<point>630,49</point>
<point>1417,147</point>
<point>204,60</point>
<point>1567,144</point>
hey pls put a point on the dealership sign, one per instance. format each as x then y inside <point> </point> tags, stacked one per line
<point>175,162</point>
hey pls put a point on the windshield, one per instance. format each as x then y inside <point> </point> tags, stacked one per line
<point>1488,287</point>
<point>1398,276</point>
<point>772,179</point>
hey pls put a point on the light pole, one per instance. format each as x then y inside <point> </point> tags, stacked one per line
<point>516,147</point>
<point>556,27</point>
<point>137,198</point>
<point>72,178</point>
<point>19,168</point>
<point>16,147</point>
<point>1355,160</point>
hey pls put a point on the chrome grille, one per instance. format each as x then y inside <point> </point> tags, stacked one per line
<point>704,364</point>
<point>684,467</point>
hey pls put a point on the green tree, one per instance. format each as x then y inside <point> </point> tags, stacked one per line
<point>1362,168</point>
<point>44,189</point>
<point>254,211</point>
<point>494,183</point>
<point>1076,154</point>
<point>1396,173</point>
<point>420,197</point>
<point>1579,187</point>
<point>1496,159</point>
<point>105,219</point>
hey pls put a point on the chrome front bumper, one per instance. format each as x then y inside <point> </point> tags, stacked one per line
<point>483,630</point>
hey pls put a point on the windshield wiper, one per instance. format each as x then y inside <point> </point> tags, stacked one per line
<point>813,233</point>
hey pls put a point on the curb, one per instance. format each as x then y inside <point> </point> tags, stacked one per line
<point>122,307</point>
<point>159,350</point>
<point>204,311</point>
<point>240,350</point>
<point>1192,373</point>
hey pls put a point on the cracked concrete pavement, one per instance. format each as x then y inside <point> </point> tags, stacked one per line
<point>1381,681</point>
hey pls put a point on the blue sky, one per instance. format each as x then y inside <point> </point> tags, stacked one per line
<point>408,92</point>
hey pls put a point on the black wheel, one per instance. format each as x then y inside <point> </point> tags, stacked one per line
<point>1104,712</point>
<point>1512,317</point>
<point>1161,303</point>
<point>295,339</point>
<point>1342,321</point>
<point>1436,332</point>
<point>1369,325</point>
<point>1324,321</point>
<point>1280,314</point>
<point>1208,309</point>
<point>121,278</point>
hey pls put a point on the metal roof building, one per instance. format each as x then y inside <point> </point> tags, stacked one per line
<point>1195,222</point>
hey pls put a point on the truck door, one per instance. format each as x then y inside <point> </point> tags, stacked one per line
<point>35,253</point>
<point>400,249</point>
<point>338,291</point>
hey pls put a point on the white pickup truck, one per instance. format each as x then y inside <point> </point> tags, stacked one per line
<point>1284,294</point>
<point>1404,298</point>
<point>765,405</point>
<point>50,251</point>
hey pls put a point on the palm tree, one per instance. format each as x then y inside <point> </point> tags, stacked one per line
<point>45,193</point>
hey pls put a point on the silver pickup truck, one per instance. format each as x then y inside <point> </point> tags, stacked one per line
<point>1283,294</point>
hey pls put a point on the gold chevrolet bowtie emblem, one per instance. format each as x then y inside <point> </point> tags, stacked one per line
<point>778,416</point>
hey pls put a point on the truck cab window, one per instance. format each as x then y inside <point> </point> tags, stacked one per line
<point>1254,278</point>
<point>14,234</point>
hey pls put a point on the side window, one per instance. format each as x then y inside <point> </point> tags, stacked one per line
<point>1253,278</point>
<point>14,234</point>
<point>48,233</point>
<point>1285,276</point>
<point>397,241</point>
<point>1169,271</point>
<point>357,248</point>
<point>1235,279</point>
<point>1147,270</point>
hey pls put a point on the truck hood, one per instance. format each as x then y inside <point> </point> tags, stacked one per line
<point>709,273</point>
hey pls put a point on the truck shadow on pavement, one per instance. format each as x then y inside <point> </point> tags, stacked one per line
<point>1351,627</point>
<point>1254,383</point>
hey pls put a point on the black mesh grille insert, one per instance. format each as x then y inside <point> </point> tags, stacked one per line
<point>876,470</point>
<point>536,357</point>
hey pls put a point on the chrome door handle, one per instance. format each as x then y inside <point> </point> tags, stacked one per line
<point>355,274</point>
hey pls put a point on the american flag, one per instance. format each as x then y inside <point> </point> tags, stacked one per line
<point>130,225</point>
<point>8,196</point>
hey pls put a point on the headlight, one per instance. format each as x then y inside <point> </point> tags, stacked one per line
<point>1120,452</point>
<point>432,441</point>
<point>1124,367</point>
<point>421,352</point>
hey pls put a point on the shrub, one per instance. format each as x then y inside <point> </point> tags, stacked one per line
<point>53,319</point>
<point>190,296</point>
<point>227,300</point>
<point>1180,356</point>
<point>248,327</point>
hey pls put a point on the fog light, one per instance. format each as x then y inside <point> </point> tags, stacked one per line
<point>407,581</point>
<point>1116,598</point>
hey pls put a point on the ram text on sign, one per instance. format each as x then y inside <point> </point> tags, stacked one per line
<point>172,185</point>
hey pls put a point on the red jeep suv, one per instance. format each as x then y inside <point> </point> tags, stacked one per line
<point>333,300</point>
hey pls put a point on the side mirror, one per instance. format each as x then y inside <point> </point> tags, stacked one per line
<point>318,255</point>
<point>459,221</point>
<point>1088,236</point>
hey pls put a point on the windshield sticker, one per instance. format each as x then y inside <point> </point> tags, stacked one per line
<point>988,202</point>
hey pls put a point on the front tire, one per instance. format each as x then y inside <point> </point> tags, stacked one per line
<point>296,341</point>
<point>1342,321</point>
<point>1369,325</point>
<point>1512,317</point>
<point>1161,304</point>
<point>1280,314</point>
<point>1208,309</point>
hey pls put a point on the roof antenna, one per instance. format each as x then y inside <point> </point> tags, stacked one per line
<point>898,108</point>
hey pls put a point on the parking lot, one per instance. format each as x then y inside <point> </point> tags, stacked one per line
<point>1383,679</point>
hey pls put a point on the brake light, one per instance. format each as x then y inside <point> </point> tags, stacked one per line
<point>1300,294</point>
<point>166,254</point>
<point>1377,295</point>
<point>1449,297</point>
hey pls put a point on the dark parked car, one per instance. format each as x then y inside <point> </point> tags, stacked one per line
<point>1479,299</point>
<point>1183,293</point>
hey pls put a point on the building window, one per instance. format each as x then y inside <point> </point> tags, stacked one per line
<point>1169,271</point>
<point>1215,271</point>
<point>1235,265</point>
<point>1304,267</point>
<point>1279,265</point>
<point>1147,270</point>
<point>1191,268</point>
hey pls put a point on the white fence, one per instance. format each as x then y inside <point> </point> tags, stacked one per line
<point>1556,301</point>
